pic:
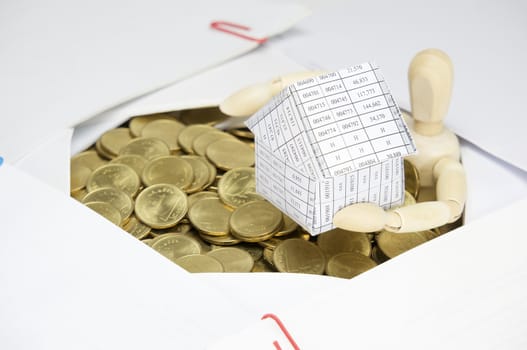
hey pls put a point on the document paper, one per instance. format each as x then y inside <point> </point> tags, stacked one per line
<point>330,141</point>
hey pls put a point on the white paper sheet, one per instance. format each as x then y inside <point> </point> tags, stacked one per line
<point>458,291</point>
<point>72,280</point>
<point>62,62</point>
<point>485,39</point>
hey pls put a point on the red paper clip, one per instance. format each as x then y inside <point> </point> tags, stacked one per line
<point>284,330</point>
<point>225,27</point>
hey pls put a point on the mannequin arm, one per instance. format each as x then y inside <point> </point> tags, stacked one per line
<point>249,100</point>
<point>451,194</point>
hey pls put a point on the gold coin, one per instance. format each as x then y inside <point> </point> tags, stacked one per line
<point>165,129</point>
<point>106,210</point>
<point>299,256</point>
<point>377,256</point>
<point>103,153</point>
<point>119,176</point>
<point>89,159</point>
<point>137,123</point>
<point>244,133</point>
<point>289,226</point>
<point>200,169</point>
<point>133,161</point>
<point>262,266</point>
<point>230,153</point>
<point>78,177</point>
<point>179,228</point>
<point>113,140</point>
<point>173,246</point>
<point>408,199</point>
<point>147,241</point>
<point>161,206</point>
<point>168,170</point>
<point>146,147</point>
<point>238,186</point>
<point>411,179</point>
<point>199,263</point>
<point>341,241</point>
<point>255,221</point>
<point>226,240</point>
<point>207,115</point>
<point>136,228</point>
<point>200,143</point>
<point>190,133</point>
<point>111,195</point>
<point>79,195</point>
<point>349,265</point>
<point>392,244</point>
<point>255,250</point>
<point>268,257</point>
<point>233,259</point>
<point>210,216</point>
<point>195,197</point>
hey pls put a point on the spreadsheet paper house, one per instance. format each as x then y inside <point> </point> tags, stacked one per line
<point>330,141</point>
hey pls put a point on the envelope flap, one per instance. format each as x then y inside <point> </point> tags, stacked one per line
<point>64,62</point>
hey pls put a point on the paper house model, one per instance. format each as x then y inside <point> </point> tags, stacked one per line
<point>326,142</point>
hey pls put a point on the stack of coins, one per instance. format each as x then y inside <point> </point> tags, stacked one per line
<point>187,189</point>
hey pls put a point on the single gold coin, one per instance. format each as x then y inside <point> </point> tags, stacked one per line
<point>173,246</point>
<point>207,115</point>
<point>289,226</point>
<point>113,140</point>
<point>133,161</point>
<point>200,169</point>
<point>238,186</point>
<point>408,199</point>
<point>119,176</point>
<point>268,258</point>
<point>254,250</point>
<point>190,133</point>
<point>199,263</point>
<point>412,183</point>
<point>79,195</point>
<point>339,241</point>
<point>243,133</point>
<point>233,259</point>
<point>88,159</point>
<point>146,147</point>
<point>349,265</point>
<point>136,228</point>
<point>226,240</point>
<point>299,256</point>
<point>392,244</point>
<point>111,195</point>
<point>200,143</point>
<point>161,206</point>
<point>164,129</point>
<point>137,123</point>
<point>106,210</point>
<point>168,170</point>
<point>78,177</point>
<point>227,154</point>
<point>255,221</point>
<point>262,266</point>
<point>102,152</point>
<point>212,172</point>
<point>210,216</point>
<point>195,197</point>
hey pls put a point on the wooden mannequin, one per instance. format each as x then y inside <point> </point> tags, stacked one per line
<point>430,78</point>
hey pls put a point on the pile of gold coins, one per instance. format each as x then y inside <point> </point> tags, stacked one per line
<point>187,189</point>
